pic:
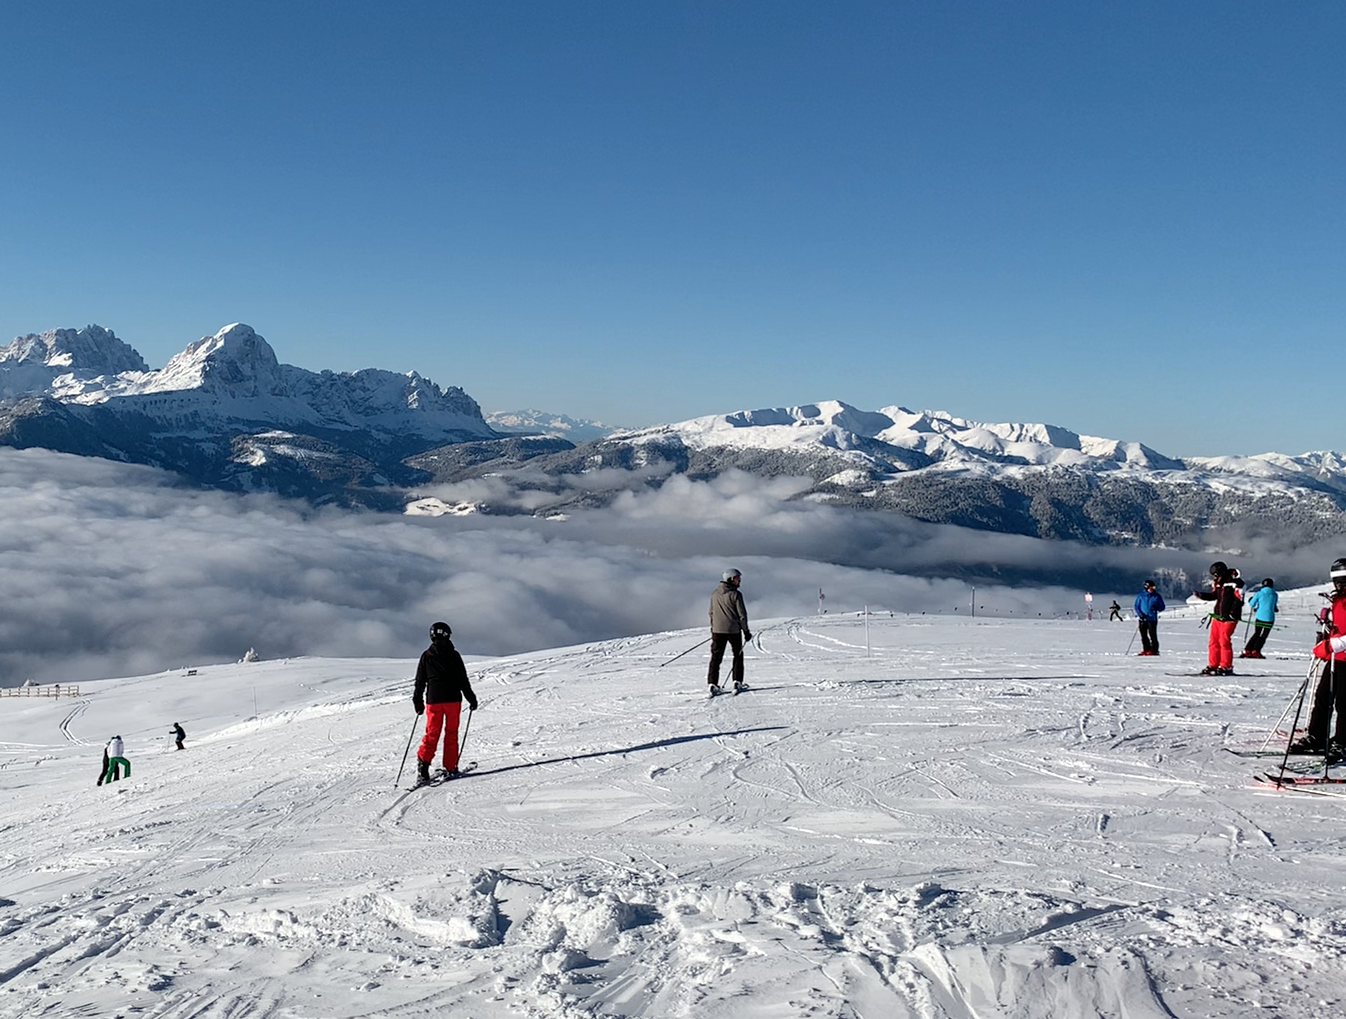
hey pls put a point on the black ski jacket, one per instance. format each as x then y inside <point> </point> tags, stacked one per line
<point>1228,599</point>
<point>441,676</point>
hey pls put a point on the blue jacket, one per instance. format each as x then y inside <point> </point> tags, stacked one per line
<point>1149,604</point>
<point>1263,603</point>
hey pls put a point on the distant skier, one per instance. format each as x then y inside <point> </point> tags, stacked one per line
<point>1149,603</point>
<point>1227,594</point>
<point>1114,612</point>
<point>728,625</point>
<point>1263,604</point>
<point>178,733</point>
<point>1330,692</point>
<point>441,687</point>
<point>115,753</point>
<point>102,772</point>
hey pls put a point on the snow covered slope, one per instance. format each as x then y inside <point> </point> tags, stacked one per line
<point>905,817</point>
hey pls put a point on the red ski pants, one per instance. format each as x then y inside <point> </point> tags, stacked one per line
<point>441,716</point>
<point>1220,649</point>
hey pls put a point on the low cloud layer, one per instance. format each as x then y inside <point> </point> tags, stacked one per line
<point>109,569</point>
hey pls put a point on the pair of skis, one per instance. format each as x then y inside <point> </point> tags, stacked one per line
<point>439,776</point>
<point>1321,785</point>
<point>716,691</point>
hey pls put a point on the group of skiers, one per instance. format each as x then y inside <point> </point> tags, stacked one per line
<point>115,760</point>
<point>442,685</point>
<point>1226,596</point>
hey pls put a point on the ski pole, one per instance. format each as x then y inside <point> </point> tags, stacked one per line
<point>1133,638</point>
<point>1299,708</point>
<point>687,652</point>
<point>398,780</point>
<point>1303,685</point>
<point>466,726</point>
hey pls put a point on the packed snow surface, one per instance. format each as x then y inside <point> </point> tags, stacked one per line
<point>906,816</point>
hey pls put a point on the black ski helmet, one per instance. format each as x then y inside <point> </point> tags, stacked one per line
<point>1339,570</point>
<point>1268,582</point>
<point>440,631</point>
<point>1218,569</point>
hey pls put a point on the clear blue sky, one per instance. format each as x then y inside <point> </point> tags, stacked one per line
<point>1125,218</point>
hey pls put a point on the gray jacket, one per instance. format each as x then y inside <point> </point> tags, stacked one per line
<point>728,614</point>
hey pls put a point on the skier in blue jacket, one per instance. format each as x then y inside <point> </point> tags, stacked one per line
<point>1149,603</point>
<point>1263,603</point>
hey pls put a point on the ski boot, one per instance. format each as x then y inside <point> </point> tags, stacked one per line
<point>422,771</point>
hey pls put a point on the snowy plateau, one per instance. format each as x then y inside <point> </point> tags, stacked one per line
<point>905,816</point>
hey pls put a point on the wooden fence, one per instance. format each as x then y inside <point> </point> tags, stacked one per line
<point>51,690</point>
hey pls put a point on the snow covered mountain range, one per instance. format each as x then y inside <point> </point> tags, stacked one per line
<point>224,412</point>
<point>1031,479</point>
<point>541,422</point>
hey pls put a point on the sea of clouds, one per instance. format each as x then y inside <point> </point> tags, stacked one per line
<point>112,569</point>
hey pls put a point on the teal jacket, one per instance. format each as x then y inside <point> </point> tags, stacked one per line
<point>1263,603</point>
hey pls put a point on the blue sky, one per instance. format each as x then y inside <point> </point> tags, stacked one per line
<point>1126,219</point>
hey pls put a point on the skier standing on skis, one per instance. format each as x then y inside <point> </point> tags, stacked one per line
<point>116,760</point>
<point>178,733</point>
<point>1114,611</point>
<point>441,688</point>
<point>1227,594</point>
<point>1149,603</point>
<point>1331,689</point>
<point>1263,603</point>
<point>728,625</point>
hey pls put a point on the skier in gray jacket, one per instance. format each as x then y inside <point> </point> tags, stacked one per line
<point>728,625</point>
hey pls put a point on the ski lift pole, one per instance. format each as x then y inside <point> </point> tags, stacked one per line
<point>398,781</point>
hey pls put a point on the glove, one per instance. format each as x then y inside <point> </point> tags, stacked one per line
<point>472,705</point>
<point>419,705</point>
<point>1323,650</point>
<point>747,636</point>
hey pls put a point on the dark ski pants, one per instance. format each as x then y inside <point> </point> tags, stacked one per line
<point>1330,693</point>
<point>1259,637</point>
<point>1149,635</point>
<point>717,643</point>
<point>437,717</point>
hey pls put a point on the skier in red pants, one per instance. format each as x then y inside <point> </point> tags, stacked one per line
<point>441,688</point>
<point>1227,594</point>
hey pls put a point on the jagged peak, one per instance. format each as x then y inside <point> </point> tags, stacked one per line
<point>92,350</point>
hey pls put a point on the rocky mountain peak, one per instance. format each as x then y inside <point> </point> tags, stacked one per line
<point>234,362</point>
<point>92,350</point>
